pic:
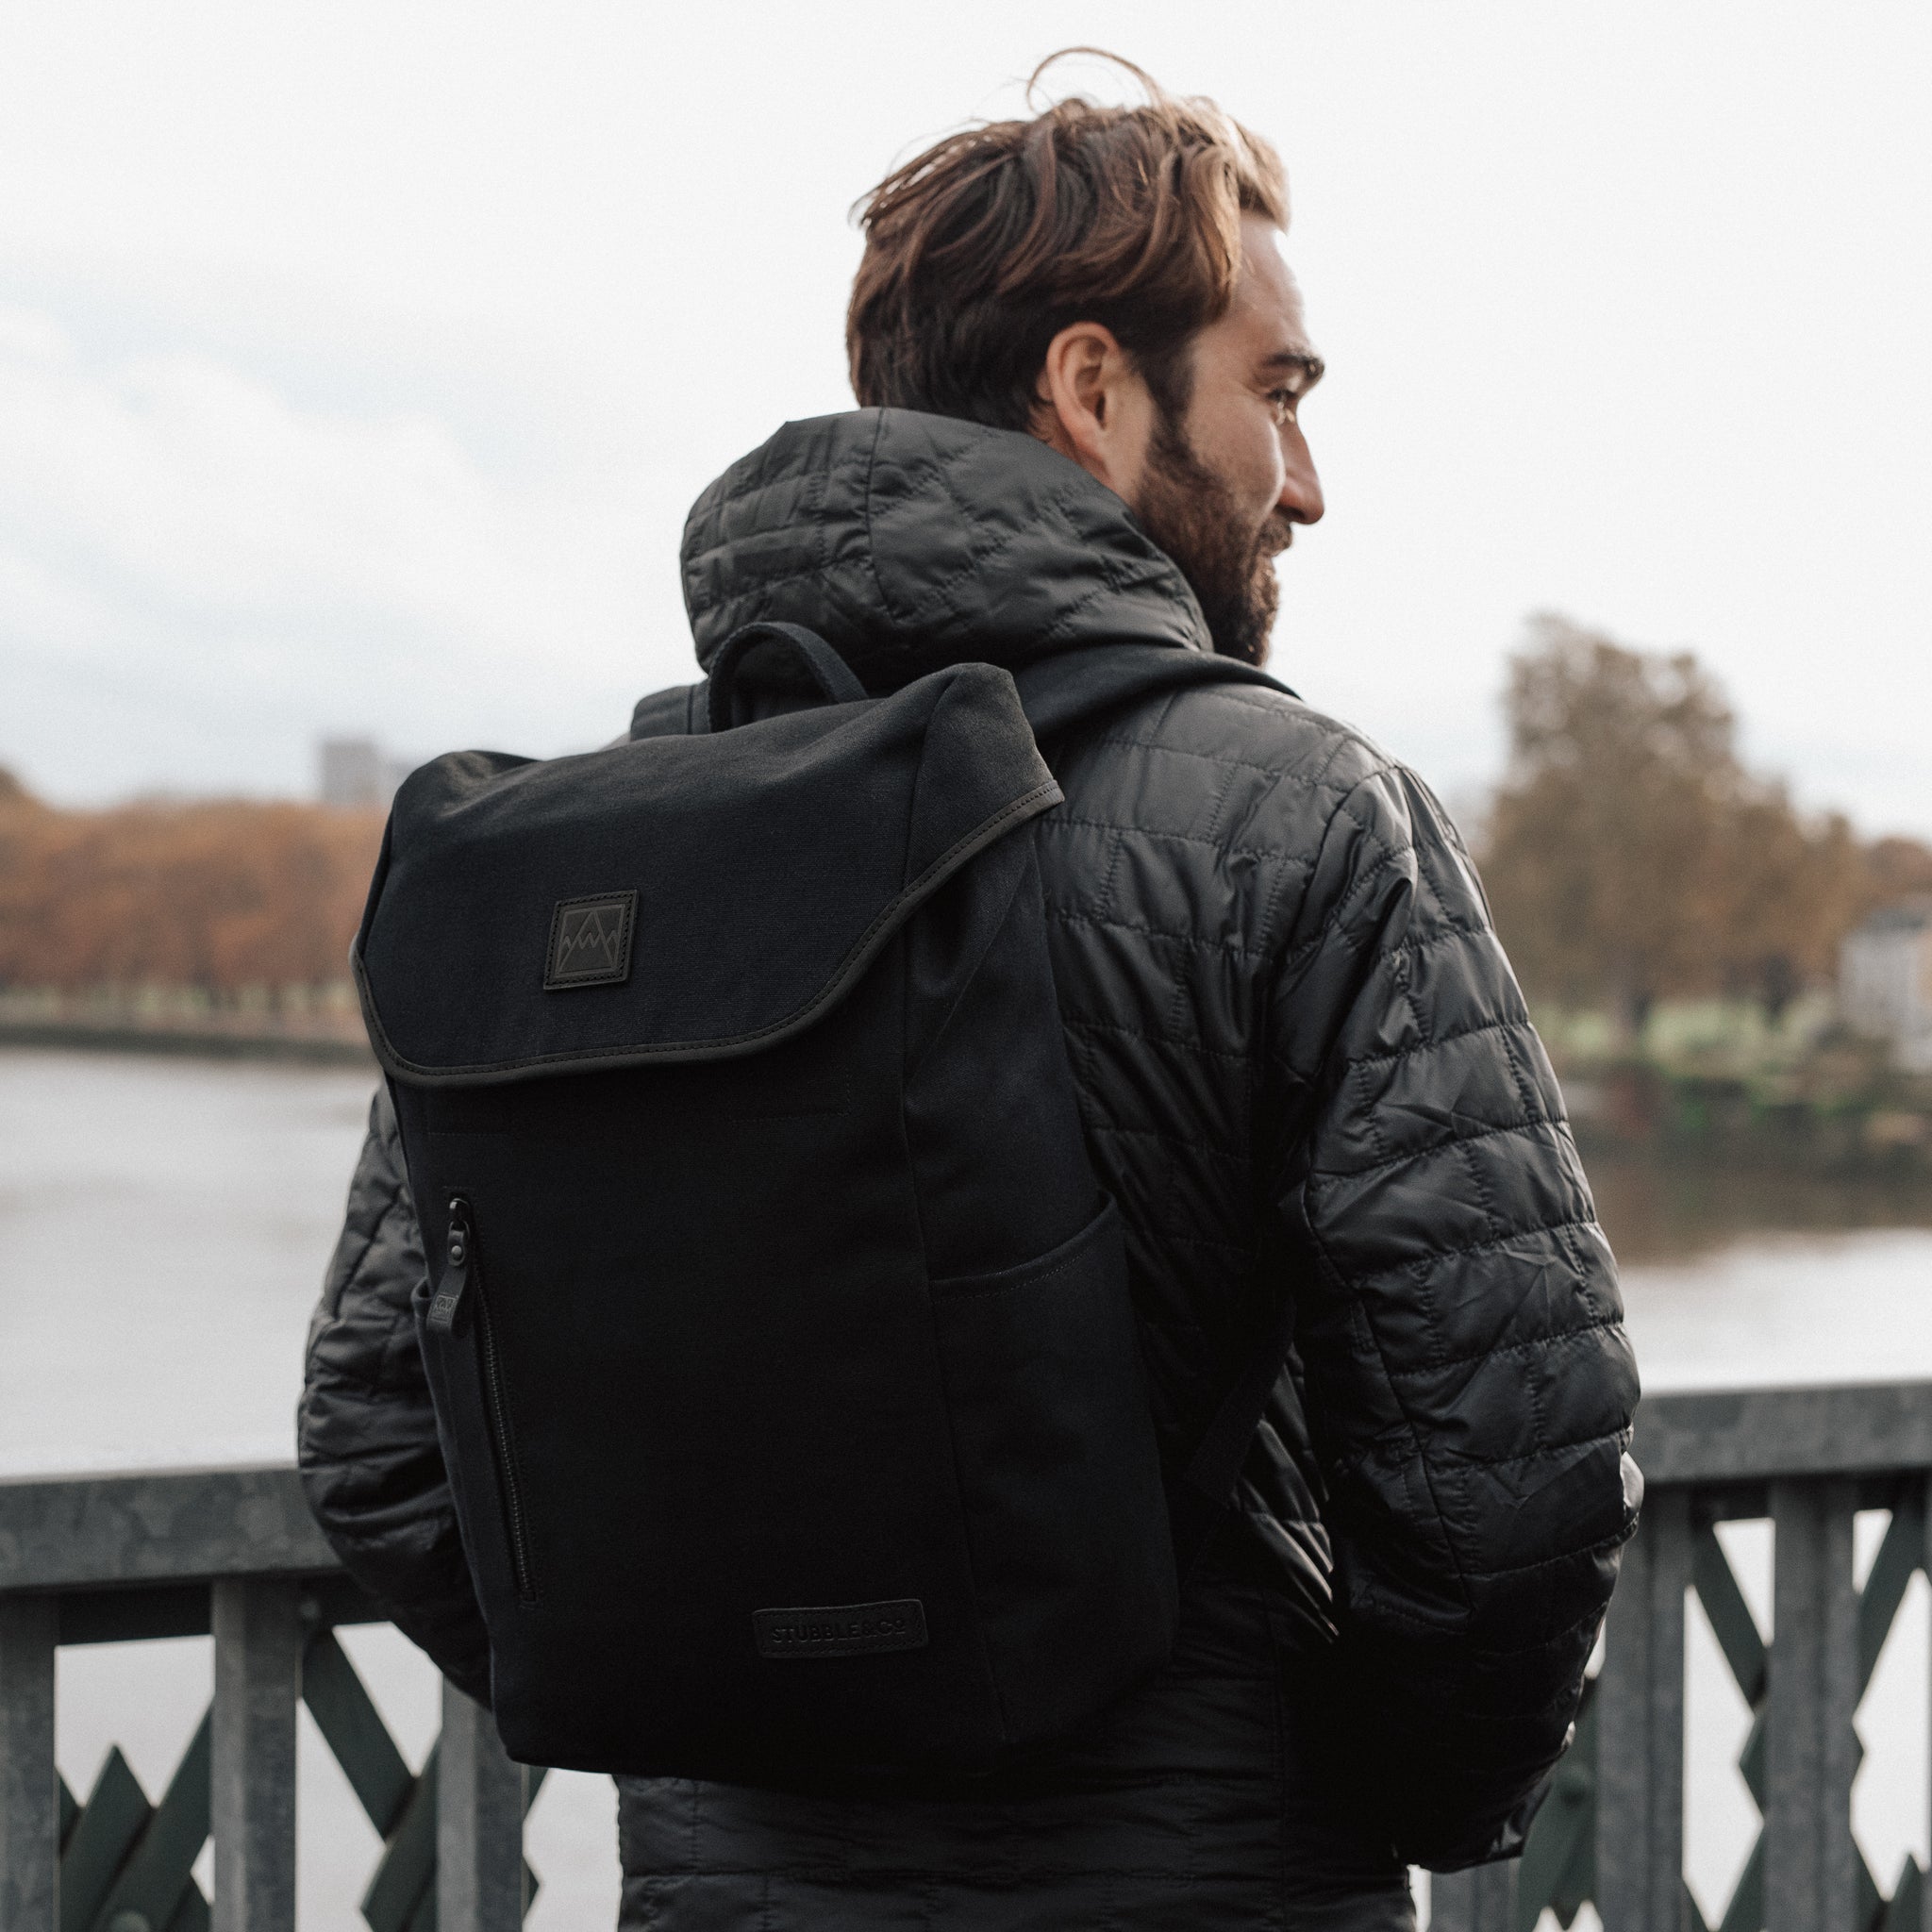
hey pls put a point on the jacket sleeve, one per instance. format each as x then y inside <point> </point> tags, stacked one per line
<point>1471,1389</point>
<point>366,1438</point>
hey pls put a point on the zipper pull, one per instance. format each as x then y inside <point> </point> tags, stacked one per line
<point>448,1299</point>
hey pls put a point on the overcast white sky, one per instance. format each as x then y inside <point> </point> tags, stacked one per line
<point>357,363</point>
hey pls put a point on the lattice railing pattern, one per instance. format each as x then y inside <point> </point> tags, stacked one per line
<point>1611,1830</point>
<point>126,1864</point>
<point>233,1553</point>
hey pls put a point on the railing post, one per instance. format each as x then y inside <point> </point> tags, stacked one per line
<point>480,1822</point>
<point>1810,1749</point>
<point>29,1811</point>
<point>1483,1900</point>
<point>1640,1728</point>
<point>258,1633</point>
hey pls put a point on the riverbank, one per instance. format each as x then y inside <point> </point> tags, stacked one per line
<point>319,1028</point>
<point>1842,1114</point>
<point>164,1227</point>
<point>293,1049</point>
<point>1720,1084</point>
<point>1659,1210</point>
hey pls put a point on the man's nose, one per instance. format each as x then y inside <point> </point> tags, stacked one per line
<point>1300,500</point>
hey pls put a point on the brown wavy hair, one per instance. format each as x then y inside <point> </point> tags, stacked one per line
<point>979,251</point>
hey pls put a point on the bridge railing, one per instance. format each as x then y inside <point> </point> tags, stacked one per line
<point>233,1553</point>
<point>1612,1829</point>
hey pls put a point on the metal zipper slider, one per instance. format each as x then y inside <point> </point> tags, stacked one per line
<point>448,1300</point>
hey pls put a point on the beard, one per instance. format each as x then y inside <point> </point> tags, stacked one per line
<point>1227,555</point>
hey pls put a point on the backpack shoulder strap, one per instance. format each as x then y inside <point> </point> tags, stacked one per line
<point>1077,688</point>
<point>1060,694</point>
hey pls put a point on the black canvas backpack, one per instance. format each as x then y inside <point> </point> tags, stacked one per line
<point>779,1330</point>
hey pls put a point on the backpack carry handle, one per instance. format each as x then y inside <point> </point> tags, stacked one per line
<point>829,671</point>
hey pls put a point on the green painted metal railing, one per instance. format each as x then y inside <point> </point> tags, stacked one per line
<point>231,1553</point>
<point>1612,1831</point>
<point>127,1863</point>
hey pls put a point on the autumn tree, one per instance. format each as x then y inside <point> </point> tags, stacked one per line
<point>1897,868</point>
<point>1631,857</point>
<point>216,895</point>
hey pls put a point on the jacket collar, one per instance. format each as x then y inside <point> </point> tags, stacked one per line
<point>909,542</point>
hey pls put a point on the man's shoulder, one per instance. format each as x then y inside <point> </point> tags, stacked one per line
<point>1259,754</point>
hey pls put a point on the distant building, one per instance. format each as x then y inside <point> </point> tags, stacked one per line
<point>356,773</point>
<point>1885,981</point>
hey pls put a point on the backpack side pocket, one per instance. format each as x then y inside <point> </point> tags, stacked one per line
<point>1060,1478</point>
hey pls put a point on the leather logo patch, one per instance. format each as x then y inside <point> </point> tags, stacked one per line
<point>841,1629</point>
<point>590,941</point>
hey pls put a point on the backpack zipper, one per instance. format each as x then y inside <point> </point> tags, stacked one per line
<point>447,1302</point>
<point>460,1257</point>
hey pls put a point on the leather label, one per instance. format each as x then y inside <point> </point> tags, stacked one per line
<point>590,941</point>
<point>841,1629</point>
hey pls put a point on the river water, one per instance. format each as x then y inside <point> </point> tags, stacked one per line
<point>164,1225</point>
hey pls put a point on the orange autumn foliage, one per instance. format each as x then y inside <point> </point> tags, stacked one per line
<point>215,895</point>
<point>1630,856</point>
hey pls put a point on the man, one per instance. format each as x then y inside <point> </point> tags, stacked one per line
<point>1304,1068</point>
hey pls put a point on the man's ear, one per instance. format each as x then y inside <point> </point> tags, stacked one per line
<point>1091,405</point>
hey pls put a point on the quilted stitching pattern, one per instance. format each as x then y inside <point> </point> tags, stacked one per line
<point>1304,1068</point>
<point>873,527</point>
<point>1469,1390</point>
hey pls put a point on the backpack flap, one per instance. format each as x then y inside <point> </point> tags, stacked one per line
<point>682,898</point>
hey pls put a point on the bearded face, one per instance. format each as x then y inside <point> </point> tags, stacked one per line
<point>1225,550</point>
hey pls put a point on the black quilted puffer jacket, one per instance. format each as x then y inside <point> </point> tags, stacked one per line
<point>1306,1070</point>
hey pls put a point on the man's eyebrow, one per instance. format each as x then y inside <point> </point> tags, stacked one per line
<point>1310,365</point>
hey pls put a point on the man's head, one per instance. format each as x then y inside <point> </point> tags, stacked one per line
<point>1110,280</point>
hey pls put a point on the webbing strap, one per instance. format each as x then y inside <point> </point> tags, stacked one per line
<point>1077,687</point>
<point>1062,693</point>
<point>835,681</point>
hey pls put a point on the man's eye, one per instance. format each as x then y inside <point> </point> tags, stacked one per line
<point>1284,401</point>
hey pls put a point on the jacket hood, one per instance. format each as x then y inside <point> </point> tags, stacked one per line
<point>911,541</point>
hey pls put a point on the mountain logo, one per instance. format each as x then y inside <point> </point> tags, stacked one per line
<point>590,941</point>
